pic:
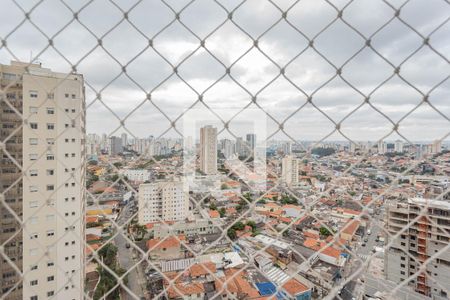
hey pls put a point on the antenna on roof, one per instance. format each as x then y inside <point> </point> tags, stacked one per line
<point>36,60</point>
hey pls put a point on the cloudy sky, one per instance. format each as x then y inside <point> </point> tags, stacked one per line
<point>152,41</point>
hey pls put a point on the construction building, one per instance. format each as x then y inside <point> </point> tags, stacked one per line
<point>427,224</point>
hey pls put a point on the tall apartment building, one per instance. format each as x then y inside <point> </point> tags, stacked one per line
<point>163,200</point>
<point>398,146</point>
<point>382,147</point>
<point>251,143</point>
<point>124,138</point>
<point>423,238</point>
<point>208,150</point>
<point>289,170</point>
<point>240,146</point>
<point>286,148</point>
<point>48,195</point>
<point>227,148</point>
<point>115,145</point>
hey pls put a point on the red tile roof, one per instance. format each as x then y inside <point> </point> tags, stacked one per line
<point>294,287</point>
<point>170,242</point>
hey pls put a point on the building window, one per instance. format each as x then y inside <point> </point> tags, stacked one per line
<point>50,264</point>
<point>33,94</point>
<point>50,278</point>
<point>50,172</point>
<point>33,156</point>
<point>50,141</point>
<point>33,236</point>
<point>33,110</point>
<point>50,126</point>
<point>33,125</point>
<point>33,141</point>
<point>50,233</point>
<point>50,157</point>
<point>33,188</point>
<point>33,173</point>
<point>33,282</point>
<point>34,204</point>
<point>51,293</point>
<point>34,298</point>
<point>50,187</point>
<point>50,111</point>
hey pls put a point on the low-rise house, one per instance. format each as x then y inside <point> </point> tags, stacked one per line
<point>294,289</point>
<point>169,248</point>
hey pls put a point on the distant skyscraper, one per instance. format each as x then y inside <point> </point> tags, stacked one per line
<point>124,139</point>
<point>398,146</point>
<point>287,148</point>
<point>115,145</point>
<point>436,147</point>
<point>208,150</point>
<point>240,146</point>
<point>382,147</point>
<point>227,148</point>
<point>251,143</point>
<point>352,147</point>
<point>50,196</point>
<point>289,170</point>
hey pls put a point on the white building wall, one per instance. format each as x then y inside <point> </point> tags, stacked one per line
<point>53,200</point>
<point>163,201</point>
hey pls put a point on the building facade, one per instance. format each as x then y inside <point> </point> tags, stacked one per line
<point>140,175</point>
<point>163,201</point>
<point>289,170</point>
<point>208,150</point>
<point>425,237</point>
<point>50,197</point>
<point>115,145</point>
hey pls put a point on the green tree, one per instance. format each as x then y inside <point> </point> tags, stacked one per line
<point>222,212</point>
<point>239,226</point>
<point>231,233</point>
<point>324,231</point>
<point>252,224</point>
<point>213,206</point>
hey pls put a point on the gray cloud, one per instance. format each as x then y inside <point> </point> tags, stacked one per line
<point>282,43</point>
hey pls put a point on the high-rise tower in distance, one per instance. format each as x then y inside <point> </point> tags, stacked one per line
<point>42,173</point>
<point>208,150</point>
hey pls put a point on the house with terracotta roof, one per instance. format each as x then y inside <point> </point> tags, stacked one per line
<point>328,254</point>
<point>201,270</point>
<point>296,290</point>
<point>186,290</point>
<point>349,230</point>
<point>214,214</point>
<point>168,248</point>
